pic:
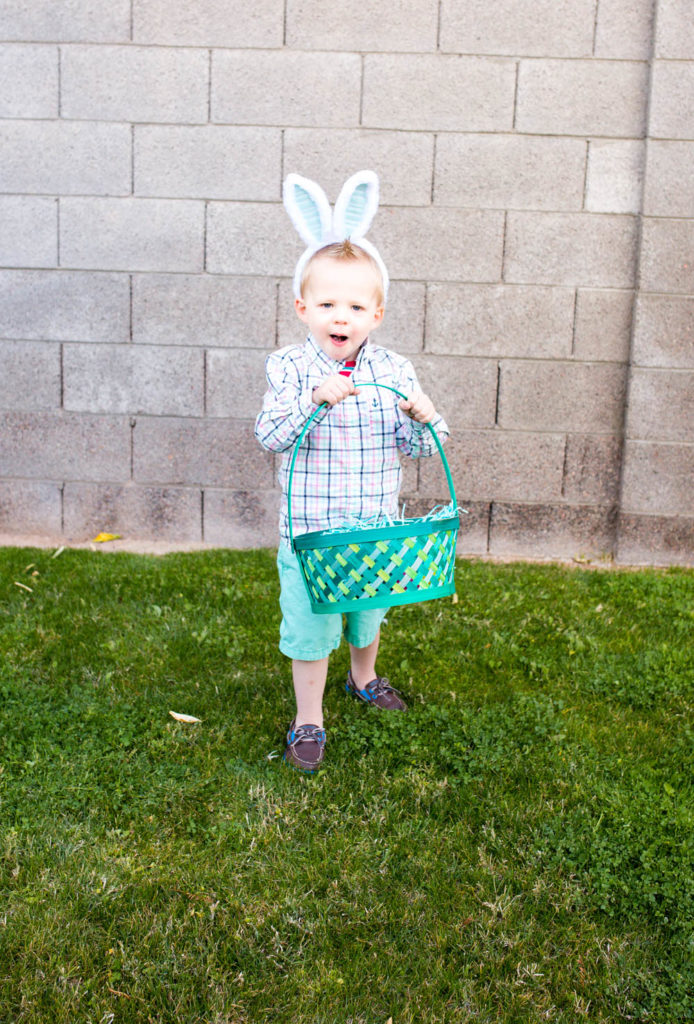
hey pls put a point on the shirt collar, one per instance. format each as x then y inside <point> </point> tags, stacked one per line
<point>319,356</point>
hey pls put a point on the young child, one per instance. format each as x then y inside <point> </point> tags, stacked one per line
<point>347,466</point>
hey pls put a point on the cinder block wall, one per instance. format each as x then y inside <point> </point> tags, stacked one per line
<point>536,160</point>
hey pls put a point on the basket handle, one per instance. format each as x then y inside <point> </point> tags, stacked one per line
<point>309,421</point>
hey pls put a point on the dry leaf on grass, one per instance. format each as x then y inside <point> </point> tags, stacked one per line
<point>101,538</point>
<point>183,718</point>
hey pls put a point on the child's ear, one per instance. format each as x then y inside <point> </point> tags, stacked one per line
<point>300,307</point>
<point>378,316</point>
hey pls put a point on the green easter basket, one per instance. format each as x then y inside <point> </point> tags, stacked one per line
<point>377,566</point>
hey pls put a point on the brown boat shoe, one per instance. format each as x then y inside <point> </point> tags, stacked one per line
<point>378,692</point>
<point>305,747</point>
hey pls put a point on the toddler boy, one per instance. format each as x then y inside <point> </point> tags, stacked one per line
<point>347,468</point>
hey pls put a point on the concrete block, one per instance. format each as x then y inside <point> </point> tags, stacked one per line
<point>463,390</point>
<point>661,406</point>
<point>499,465</point>
<point>30,506</point>
<point>210,453</point>
<point>655,540</point>
<point>251,238</point>
<point>499,320</point>
<point>30,81</point>
<point>425,92</point>
<point>285,88</point>
<point>207,162</point>
<point>242,519</point>
<point>624,29</point>
<point>591,469</point>
<point>657,478</point>
<point>72,21</point>
<point>402,160</point>
<point>521,172</point>
<point>213,23</point>
<point>235,382</point>
<point>188,309</point>
<point>675,39</point>
<point>666,256</point>
<point>552,531</point>
<point>152,513</point>
<point>672,100</point>
<point>132,234</point>
<point>577,397</point>
<point>615,176</point>
<point>406,25</point>
<point>664,332</point>
<point>134,83</point>
<point>28,231</point>
<point>30,375</point>
<point>582,97</point>
<point>402,328</point>
<point>669,183</point>
<point>63,446</point>
<point>159,380</point>
<point>58,157</point>
<point>440,244</point>
<point>583,249</point>
<point>603,325</point>
<point>473,532</point>
<point>557,28</point>
<point>62,305</point>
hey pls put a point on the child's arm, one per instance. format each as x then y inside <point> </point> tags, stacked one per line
<point>413,437</point>
<point>286,405</point>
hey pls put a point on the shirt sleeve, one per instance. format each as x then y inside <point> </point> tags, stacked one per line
<point>414,439</point>
<point>286,405</point>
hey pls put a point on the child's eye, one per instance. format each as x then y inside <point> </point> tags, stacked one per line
<point>357,309</point>
<point>326,305</point>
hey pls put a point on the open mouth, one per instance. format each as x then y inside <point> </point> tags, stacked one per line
<point>339,339</point>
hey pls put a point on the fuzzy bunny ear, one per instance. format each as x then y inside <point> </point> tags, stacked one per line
<point>308,207</point>
<point>356,205</point>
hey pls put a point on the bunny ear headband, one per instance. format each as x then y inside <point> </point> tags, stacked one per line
<point>309,209</point>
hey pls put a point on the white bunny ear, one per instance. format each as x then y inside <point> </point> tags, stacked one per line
<point>356,205</point>
<point>308,206</point>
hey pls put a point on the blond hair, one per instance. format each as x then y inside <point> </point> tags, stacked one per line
<point>344,252</point>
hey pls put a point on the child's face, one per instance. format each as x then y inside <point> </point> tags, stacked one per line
<point>340,304</point>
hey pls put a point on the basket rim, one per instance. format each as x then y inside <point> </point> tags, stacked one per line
<point>409,528</point>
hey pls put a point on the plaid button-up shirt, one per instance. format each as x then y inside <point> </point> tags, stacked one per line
<point>347,467</point>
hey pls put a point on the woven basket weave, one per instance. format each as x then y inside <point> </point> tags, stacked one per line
<point>379,566</point>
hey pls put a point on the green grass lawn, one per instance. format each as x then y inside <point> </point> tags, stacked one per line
<point>518,847</point>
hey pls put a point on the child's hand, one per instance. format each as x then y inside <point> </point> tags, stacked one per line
<point>419,407</point>
<point>334,389</point>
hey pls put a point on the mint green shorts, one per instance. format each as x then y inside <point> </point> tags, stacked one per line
<point>306,636</point>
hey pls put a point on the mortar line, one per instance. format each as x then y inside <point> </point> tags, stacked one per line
<point>424,318</point>
<point>438,27</point>
<point>503,249</point>
<point>489,526</point>
<point>498,394</point>
<point>62,507</point>
<point>131,325</point>
<point>133,423</point>
<point>204,382</point>
<point>574,324</point>
<point>595,26</point>
<point>132,20</point>
<point>361,92</point>
<point>204,236</point>
<point>60,83</point>
<point>585,177</point>
<point>132,160</point>
<point>285,19</point>
<point>638,248</point>
<point>202,514</point>
<point>62,375</point>
<point>278,288</point>
<point>564,466</point>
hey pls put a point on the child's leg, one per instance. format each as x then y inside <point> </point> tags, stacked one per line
<point>363,662</point>
<point>309,684</point>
